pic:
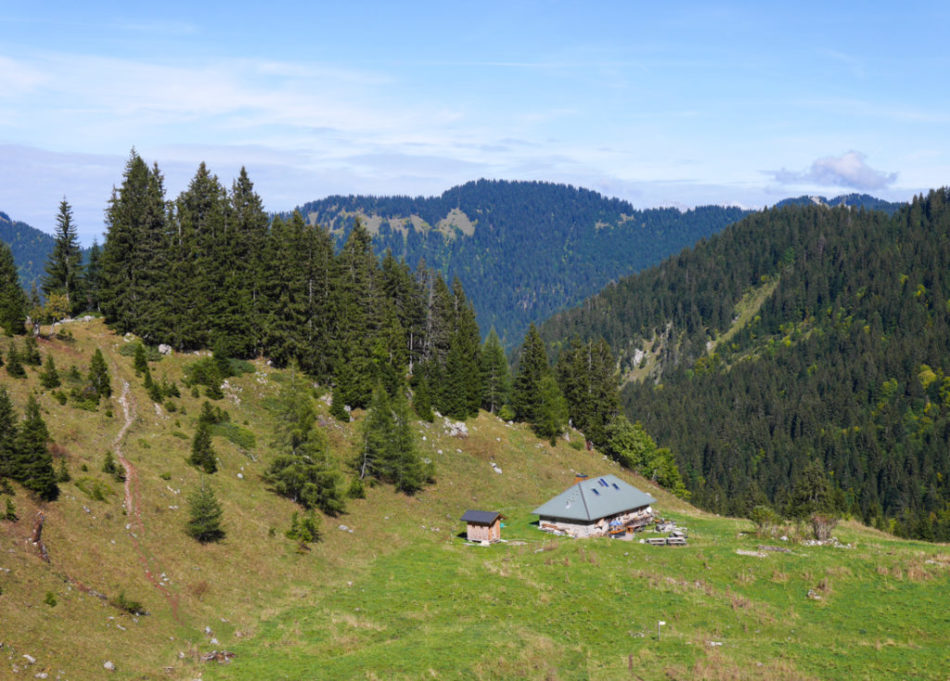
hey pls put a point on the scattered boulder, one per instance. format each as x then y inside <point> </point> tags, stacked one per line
<point>456,428</point>
<point>109,666</point>
<point>164,349</point>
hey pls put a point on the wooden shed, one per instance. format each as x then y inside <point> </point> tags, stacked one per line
<point>483,525</point>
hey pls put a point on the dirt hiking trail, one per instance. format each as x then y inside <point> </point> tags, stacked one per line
<point>133,497</point>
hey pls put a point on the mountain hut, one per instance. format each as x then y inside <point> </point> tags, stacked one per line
<point>595,507</point>
<point>483,525</point>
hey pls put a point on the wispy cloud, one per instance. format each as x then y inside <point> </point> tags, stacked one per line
<point>847,170</point>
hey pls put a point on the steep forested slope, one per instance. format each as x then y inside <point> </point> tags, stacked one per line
<point>30,248</point>
<point>523,250</point>
<point>844,362</point>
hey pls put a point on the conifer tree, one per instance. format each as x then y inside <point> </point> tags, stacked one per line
<point>812,492</point>
<point>355,317</point>
<point>552,410</point>
<point>408,472</point>
<point>284,294</point>
<point>64,267</point>
<point>33,465</point>
<point>140,360</point>
<point>98,377</point>
<point>532,367</point>
<point>588,378</point>
<point>92,282</point>
<point>8,435</point>
<point>496,379</point>
<point>250,233</point>
<point>9,512</point>
<point>338,405</point>
<point>301,470</point>
<point>317,260</point>
<point>204,515</point>
<point>404,295</point>
<point>388,452</point>
<point>14,364</point>
<point>200,260</point>
<point>12,299</point>
<point>377,435</point>
<point>31,353</point>
<point>202,453</point>
<point>135,289</point>
<point>49,377</point>
<point>421,400</point>
<point>63,474</point>
<point>466,343</point>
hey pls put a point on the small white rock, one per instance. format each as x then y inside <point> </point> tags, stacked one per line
<point>109,666</point>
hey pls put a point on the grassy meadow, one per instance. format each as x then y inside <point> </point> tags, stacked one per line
<point>393,591</point>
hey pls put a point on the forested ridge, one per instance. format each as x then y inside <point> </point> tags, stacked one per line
<point>29,245</point>
<point>845,367</point>
<point>522,250</point>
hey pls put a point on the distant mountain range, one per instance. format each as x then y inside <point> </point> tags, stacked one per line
<point>865,201</point>
<point>522,250</point>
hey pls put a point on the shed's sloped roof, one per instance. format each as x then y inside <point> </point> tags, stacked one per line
<point>480,517</point>
<point>595,498</point>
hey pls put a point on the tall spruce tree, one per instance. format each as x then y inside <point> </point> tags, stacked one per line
<point>92,283</point>
<point>64,271</point>
<point>532,368</point>
<point>315,248</point>
<point>356,317</point>
<point>135,291</point>
<point>33,465</point>
<point>250,233</point>
<point>200,259</point>
<point>284,293</point>
<point>13,303</point>
<point>496,377</point>
<point>587,375</point>
<point>552,410</point>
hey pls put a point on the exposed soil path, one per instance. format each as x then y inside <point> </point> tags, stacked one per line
<point>133,496</point>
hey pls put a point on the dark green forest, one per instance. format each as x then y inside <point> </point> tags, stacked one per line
<point>536,248</point>
<point>30,248</point>
<point>865,201</point>
<point>845,366</point>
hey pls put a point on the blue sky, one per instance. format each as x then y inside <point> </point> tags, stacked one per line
<point>658,103</point>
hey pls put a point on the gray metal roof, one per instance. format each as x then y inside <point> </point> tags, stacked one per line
<point>595,498</point>
<point>480,517</point>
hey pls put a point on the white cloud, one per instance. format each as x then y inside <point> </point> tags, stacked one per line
<point>847,170</point>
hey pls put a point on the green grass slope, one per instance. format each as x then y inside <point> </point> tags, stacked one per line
<point>392,591</point>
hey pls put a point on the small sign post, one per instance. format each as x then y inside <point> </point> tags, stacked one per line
<point>659,623</point>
